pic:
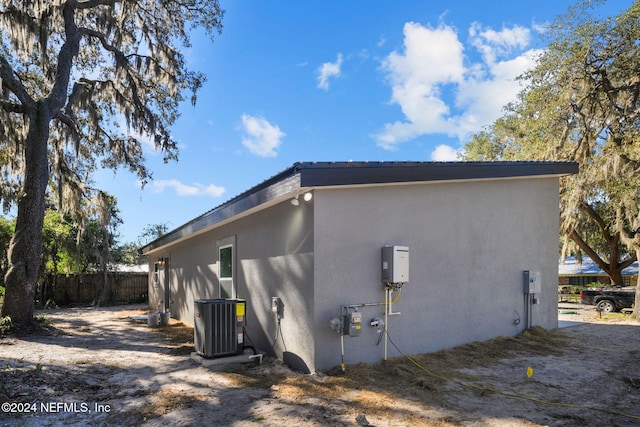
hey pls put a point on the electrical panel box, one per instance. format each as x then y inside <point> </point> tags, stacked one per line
<point>395,264</point>
<point>352,324</point>
<point>531,283</point>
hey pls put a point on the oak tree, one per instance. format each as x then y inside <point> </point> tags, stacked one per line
<point>71,71</point>
<point>581,102</point>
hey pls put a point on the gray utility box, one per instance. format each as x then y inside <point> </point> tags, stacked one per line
<point>395,264</point>
<point>219,326</point>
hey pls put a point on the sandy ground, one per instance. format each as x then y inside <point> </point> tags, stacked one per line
<point>98,367</point>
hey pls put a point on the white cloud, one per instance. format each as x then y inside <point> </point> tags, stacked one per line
<point>492,44</point>
<point>444,153</point>
<point>261,137</point>
<point>181,189</point>
<point>327,71</point>
<point>440,92</point>
<point>484,98</point>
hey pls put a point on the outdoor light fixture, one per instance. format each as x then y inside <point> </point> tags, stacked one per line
<point>306,197</point>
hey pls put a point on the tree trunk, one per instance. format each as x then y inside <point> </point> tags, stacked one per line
<point>636,306</point>
<point>615,274</point>
<point>26,245</point>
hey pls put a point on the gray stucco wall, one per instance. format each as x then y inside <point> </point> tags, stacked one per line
<point>469,244</point>
<point>274,258</point>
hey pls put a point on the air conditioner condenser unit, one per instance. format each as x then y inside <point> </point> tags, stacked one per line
<point>219,327</point>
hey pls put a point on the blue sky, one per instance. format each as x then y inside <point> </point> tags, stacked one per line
<point>334,81</point>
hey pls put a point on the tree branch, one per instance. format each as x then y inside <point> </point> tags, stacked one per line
<point>628,262</point>
<point>88,4</point>
<point>79,88</point>
<point>11,107</point>
<point>598,219</point>
<point>121,59</point>
<point>68,51</point>
<point>9,80</point>
<point>590,252</point>
<point>67,120</point>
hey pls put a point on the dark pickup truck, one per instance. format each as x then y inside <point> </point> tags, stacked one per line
<point>609,299</point>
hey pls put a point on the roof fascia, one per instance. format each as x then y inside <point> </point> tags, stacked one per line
<point>243,204</point>
<point>330,174</point>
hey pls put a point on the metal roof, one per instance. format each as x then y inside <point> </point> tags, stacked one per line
<point>573,267</point>
<point>326,174</point>
<point>352,173</point>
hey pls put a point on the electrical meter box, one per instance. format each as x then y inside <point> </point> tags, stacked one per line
<point>352,324</point>
<point>395,264</point>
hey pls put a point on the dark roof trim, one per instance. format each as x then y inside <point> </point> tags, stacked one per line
<point>358,173</point>
<point>326,174</point>
<point>271,189</point>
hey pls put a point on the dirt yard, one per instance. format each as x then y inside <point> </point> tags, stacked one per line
<point>97,367</point>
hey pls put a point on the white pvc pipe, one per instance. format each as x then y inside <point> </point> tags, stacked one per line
<point>386,318</point>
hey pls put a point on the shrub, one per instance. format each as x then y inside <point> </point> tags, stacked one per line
<point>5,324</point>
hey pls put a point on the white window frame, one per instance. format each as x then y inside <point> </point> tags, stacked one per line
<point>227,282</point>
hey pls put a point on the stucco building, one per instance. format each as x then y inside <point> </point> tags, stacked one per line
<point>312,237</point>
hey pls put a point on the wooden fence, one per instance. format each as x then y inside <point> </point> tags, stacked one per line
<point>118,288</point>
